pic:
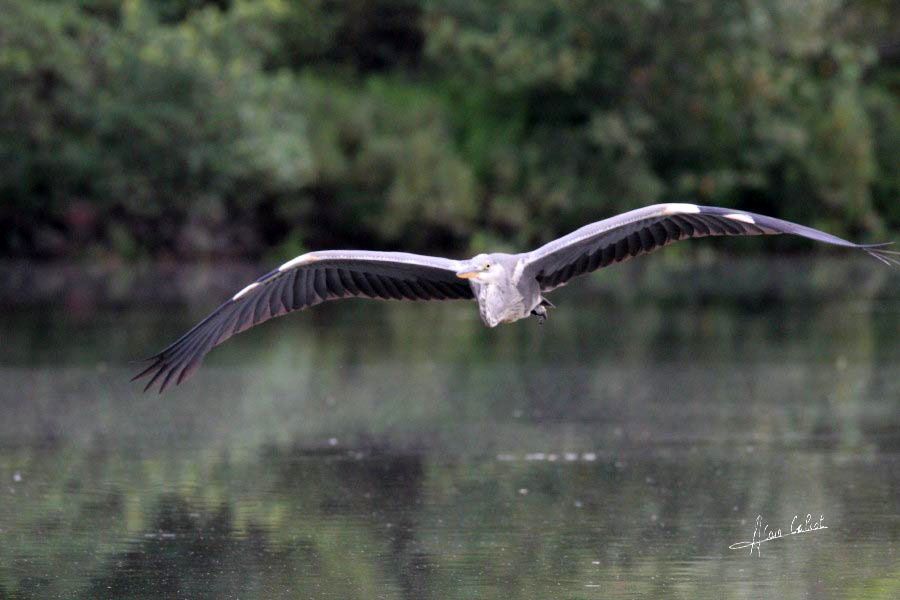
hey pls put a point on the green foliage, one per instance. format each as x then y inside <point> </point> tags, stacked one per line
<point>199,127</point>
<point>760,105</point>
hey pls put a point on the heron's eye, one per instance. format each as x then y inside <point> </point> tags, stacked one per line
<point>487,266</point>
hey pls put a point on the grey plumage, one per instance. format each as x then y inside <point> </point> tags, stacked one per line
<point>507,287</point>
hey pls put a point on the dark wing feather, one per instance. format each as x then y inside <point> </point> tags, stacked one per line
<point>647,229</point>
<point>304,283</point>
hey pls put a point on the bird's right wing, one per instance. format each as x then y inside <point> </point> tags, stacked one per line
<point>303,282</point>
<point>647,229</point>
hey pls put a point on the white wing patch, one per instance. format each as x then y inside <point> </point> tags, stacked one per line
<point>676,208</point>
<point>247,289</point>
<point>295,262</point>
<point>740,217</point>
<point>518,271</point>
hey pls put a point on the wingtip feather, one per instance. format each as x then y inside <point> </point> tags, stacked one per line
<point>888,257</point>
<point>144,372</point>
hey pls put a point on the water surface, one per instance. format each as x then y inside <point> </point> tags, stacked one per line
<point>392,450</point>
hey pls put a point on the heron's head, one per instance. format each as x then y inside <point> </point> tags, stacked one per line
<point>483,269</point>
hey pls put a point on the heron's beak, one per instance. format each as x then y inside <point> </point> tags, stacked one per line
<point>468,274</point>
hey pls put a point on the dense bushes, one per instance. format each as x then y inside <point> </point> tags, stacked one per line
<point>205,128</point>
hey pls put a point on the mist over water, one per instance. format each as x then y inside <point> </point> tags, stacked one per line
<point>369,449</point>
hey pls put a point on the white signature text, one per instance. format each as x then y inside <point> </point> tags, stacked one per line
<point>762,533</point>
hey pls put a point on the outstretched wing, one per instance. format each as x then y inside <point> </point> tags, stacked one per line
<point>303,282</point>
<point>646,229</point>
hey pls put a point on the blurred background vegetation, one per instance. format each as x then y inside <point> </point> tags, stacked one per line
<point>213,128</point>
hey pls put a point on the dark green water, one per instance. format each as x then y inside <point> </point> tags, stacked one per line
<point>391,450</point>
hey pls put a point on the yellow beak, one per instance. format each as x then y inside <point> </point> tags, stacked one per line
<point>468,274</point>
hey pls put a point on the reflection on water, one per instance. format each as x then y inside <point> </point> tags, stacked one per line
<point>386,450</point>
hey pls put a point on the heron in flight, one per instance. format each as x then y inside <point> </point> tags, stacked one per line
<point>507,287</point>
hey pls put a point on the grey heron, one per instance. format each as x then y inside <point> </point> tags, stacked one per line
<point>507,287</point>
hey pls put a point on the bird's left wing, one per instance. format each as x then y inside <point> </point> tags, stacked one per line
<point>647,229</point>
<point>303,282</point>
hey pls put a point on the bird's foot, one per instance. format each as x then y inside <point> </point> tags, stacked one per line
<point>541,313</point>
